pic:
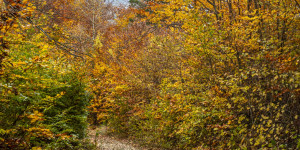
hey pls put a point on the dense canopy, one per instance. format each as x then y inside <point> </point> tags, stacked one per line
<point>172,74</point>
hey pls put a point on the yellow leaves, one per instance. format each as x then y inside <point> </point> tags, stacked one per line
<point>120,88</point>
<point>19,76</point>
<point>229,105</point>
<point>46,47</point>
<point>31,8</point>
<point>125,19</point>
<point>111,52</point>
<point>50,99</point>
<point>212,49</point>
<point>40,132</point>
<point>63,136</point>
<point>36,148</point>
<point>60,94</point>
<point>243,130</point>
<point>278,116</point>
<point>168,12</point>
<point>36,116</point>
<point>15,25</point>
<point>247,18</point>
<point>240,119</point>
<point>97,42</point>
<point>25,2</point>
<point>260,139</point>
<point>269,123</point>
<point>19,63</point>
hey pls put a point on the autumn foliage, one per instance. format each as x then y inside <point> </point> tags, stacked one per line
<point>172,74</point>
<point>202,74</point>
<point>42,99</point>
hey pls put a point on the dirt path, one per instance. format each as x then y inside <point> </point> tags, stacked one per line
<point>105,142</point>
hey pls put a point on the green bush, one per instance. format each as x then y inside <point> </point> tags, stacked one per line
<point>68,114</point>
<point>42,101</point>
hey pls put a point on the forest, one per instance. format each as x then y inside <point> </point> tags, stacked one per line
<point>172,74</point>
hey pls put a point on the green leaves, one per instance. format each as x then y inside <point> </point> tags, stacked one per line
<point>35,81</point>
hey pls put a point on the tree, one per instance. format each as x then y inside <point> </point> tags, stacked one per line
<point>36,78</point>
<point>240,70</point>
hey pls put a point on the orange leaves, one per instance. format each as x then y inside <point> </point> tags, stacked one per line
<point>20,8</point>
<point>36,116</point>
<point>40,132</point>
<point>200,73</point>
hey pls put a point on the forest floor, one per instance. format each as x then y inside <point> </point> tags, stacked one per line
<point>103,141</point>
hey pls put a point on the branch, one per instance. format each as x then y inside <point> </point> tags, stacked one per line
<point>14,12</point>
